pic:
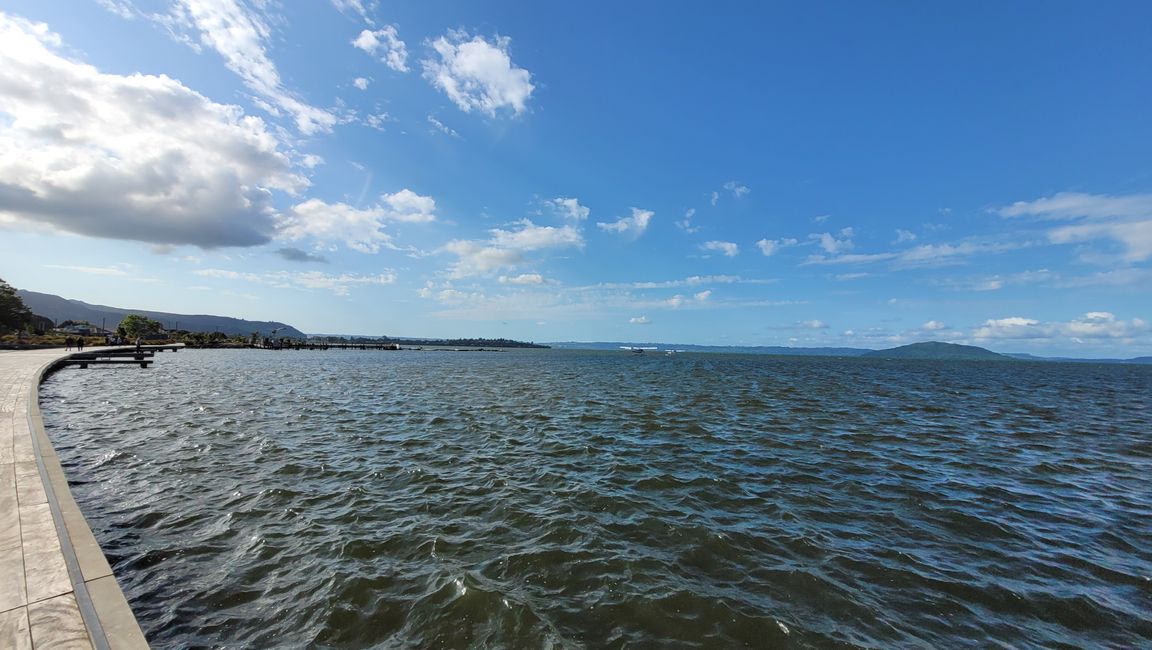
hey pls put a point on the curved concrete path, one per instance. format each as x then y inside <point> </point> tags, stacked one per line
<point>56,588</point>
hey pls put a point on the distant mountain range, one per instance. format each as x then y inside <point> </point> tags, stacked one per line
<point>61,309</point>
<point>932,350</point>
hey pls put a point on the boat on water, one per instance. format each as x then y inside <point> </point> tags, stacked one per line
<point>636,349</point>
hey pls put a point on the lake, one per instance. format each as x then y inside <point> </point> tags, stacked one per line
<point>576,499</point>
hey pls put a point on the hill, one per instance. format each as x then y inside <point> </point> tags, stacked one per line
<point>61,309</point>
<point>935,350</point>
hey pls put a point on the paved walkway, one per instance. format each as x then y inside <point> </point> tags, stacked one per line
<point>56,588</point>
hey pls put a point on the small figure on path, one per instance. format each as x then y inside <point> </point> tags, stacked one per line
<point>137,343</point>
<point>80,343</point>
<point>68,344</point>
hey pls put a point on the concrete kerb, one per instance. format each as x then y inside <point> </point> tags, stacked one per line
<point>106,613</point>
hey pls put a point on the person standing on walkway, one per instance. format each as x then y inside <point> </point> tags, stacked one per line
<point>67,343</point>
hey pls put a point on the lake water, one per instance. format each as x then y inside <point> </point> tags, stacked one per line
<point>564,499</point>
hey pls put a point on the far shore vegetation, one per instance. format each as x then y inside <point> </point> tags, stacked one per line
<point>19,327</point>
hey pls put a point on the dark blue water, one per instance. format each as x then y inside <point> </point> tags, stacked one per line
<point>582,499</point>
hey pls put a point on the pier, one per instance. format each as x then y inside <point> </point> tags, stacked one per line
<point>56,587</point>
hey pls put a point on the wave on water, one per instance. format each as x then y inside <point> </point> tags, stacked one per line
<point>582,499</point>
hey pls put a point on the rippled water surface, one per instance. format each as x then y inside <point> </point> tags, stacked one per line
<point>581,499</point>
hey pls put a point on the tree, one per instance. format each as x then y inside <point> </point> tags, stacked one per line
<point>14,314</point>
<point>135,325</point>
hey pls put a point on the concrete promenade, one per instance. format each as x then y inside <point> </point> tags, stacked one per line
<point>56,588</point>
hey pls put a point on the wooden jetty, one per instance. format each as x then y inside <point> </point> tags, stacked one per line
<point>141,356</point>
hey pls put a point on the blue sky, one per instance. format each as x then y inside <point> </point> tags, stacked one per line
<point>802,174</point>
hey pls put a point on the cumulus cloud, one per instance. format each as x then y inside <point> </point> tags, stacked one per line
<point>904,236</point>
<point>728,248</point>
<point>339,284</point>
<point>1125,220</point>
<point>477,74</point>
<point>135,157</point>
<point>240,36</point>
<point>296,255</point>
<point>1093,325</point>
<point>812,325</point>
<point>639,320</point>
<point>570,208</point>
<point>361,83</point>
<point>769,247</point>
<point>359,229</point>
<point>933,326</point>
<point>633,226</point>
<point>831,244</point>
<point>507,248</point>
<point>703,296</point>
<point>385,43</point>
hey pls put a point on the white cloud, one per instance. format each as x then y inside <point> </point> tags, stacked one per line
<point>240,36</point>
<point>386,43</point>
<point>904,236</point>
<point>378,121</point>
<point>634,225</point>
<point>1126,220</point>
<point>1093,325</point>
<point>675,301</point>
<point>850,259</point>
<point>136,157</point>
<point>409,207</point>
<point>1118,278</point>
<point>570,208</point>
<point>685,224</point>
<point>524,279</point>
<point>339,284</point>
<point>90,270</point>
<point>831,244</point>
<point>353,5</point>
<point>703,296</point>
<point>441,127</point>
<point>361,83</point>
<point>812,325</point>
<point>715,197</point>
<point>933,326</point>
<point>736,189</point>
<point>924,255</point>
<point>507,248</point>
<point>532,237</point>
<point>728,248</point>
<point>770,247</point>
<point>359,229</point>
<point>639,320</point>
<point>478,75</point>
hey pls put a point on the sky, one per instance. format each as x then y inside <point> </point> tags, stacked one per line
<point>726,173</point>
